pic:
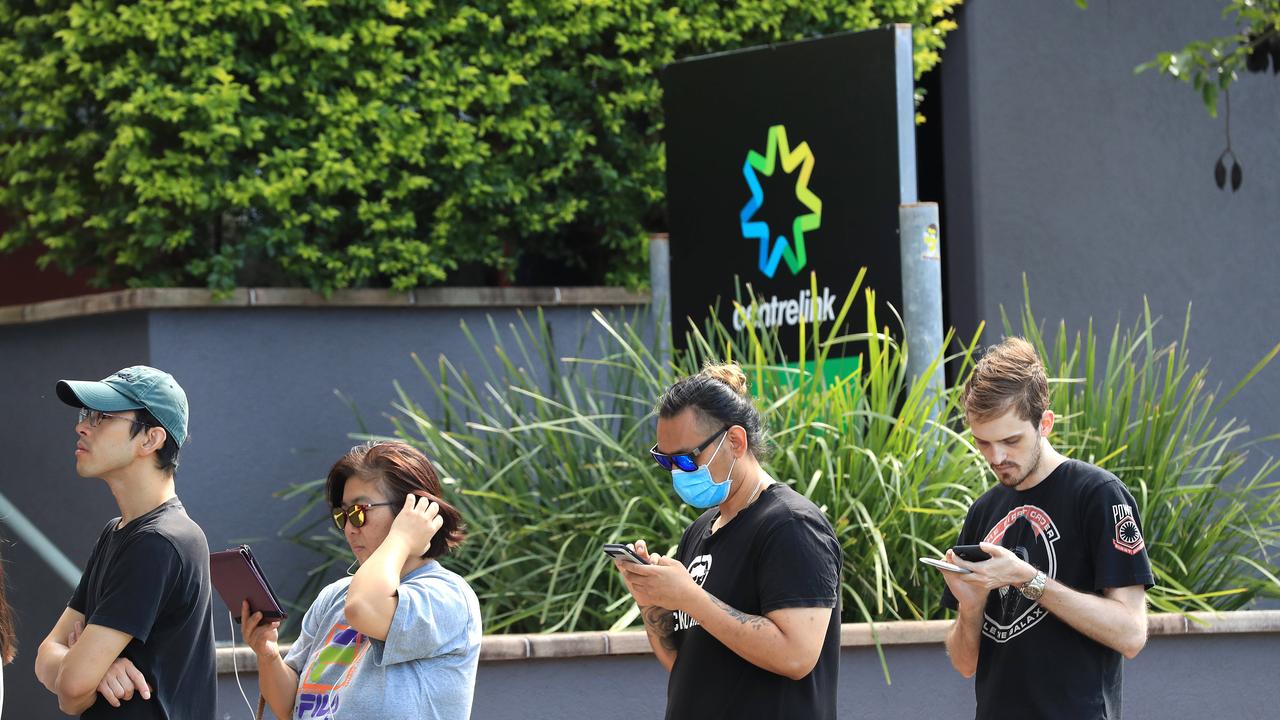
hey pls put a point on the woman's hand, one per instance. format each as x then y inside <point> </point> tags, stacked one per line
<point>262,637</point>
<point>417,523</point>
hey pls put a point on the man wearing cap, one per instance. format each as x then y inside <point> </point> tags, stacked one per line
<point>136,639</point>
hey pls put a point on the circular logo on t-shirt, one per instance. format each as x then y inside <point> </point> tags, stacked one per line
<point>1029,532</point>
<point>1128,537</point>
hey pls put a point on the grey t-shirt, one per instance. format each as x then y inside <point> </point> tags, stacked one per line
<point>425,669</point>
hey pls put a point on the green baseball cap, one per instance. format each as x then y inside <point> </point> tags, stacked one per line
<point>133,388</point>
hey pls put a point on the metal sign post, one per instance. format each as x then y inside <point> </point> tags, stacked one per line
<point>921,254</point>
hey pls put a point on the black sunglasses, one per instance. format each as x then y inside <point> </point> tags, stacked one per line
<point>686,461</point>
<point>355,514</point>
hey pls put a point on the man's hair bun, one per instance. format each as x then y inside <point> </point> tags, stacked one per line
<point>730,374</point>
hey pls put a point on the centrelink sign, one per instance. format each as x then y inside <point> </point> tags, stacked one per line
<point>782,161</point>
<point>773,312</point>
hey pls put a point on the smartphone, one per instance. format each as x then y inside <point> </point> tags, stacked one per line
<point>944,565</point>
<point>972,553</point>
<point>618,550</point>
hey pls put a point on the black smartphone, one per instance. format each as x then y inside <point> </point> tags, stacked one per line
<point>972,553</point>
<point>619,550</point>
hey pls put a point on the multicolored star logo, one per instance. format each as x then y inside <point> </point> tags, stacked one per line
<point>792,251</point>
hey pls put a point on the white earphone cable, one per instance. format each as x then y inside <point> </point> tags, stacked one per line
<point>234,668</point>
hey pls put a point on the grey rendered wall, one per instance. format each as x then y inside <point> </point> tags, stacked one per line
<point>1167,681</point>
<point>1097,183</point>
<point>264,414</point>
<point>264,410</point>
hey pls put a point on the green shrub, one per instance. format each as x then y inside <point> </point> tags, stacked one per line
<point>333,144</point>
<point>546,458</point>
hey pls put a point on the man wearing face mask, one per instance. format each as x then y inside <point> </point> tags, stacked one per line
<point>746,616</point>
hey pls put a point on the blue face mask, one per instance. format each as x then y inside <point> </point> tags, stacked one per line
<point>698,488</point>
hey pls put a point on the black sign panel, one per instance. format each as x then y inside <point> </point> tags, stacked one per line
<point>786,160</point>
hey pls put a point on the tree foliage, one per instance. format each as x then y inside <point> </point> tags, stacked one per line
<point>333,144</point>
<point>1210,66</point>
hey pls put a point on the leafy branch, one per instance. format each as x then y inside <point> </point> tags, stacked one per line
<point>1210,66</point>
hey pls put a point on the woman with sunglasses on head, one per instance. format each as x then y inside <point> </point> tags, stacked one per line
<point>399,639</point>
<point>746,614</point>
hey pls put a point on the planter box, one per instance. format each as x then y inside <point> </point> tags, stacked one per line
<point>1205,665</point>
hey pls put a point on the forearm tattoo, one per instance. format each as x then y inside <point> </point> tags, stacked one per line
<point>755,621</point>
<point>662,622</point>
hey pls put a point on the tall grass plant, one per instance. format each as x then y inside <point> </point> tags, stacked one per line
<point>545,455</point>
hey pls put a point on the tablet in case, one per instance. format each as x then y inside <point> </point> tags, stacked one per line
<point>237,577</point>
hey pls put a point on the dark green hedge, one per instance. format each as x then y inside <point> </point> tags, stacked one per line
<point>336,144</point>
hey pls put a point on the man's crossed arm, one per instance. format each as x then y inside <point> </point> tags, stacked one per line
<point>76,662</point>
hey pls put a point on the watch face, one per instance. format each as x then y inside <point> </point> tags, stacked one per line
<point>1035,588</point>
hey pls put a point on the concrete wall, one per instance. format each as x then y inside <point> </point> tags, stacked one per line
<point>1097,183</point>
<point>1168,680</point>
<point>264,414</point>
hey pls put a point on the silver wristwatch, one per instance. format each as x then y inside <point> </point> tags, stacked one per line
<point>1034,588</point>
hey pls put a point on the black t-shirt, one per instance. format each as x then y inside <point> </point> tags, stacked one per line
<point>779,552</point>
<point>1080,526</point>
<point>150,579</point>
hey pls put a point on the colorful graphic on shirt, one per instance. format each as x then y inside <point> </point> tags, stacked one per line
<point>330,671</point>
<point>1128,537</point>
<point>1029,532</point>
<point>699,569</point>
